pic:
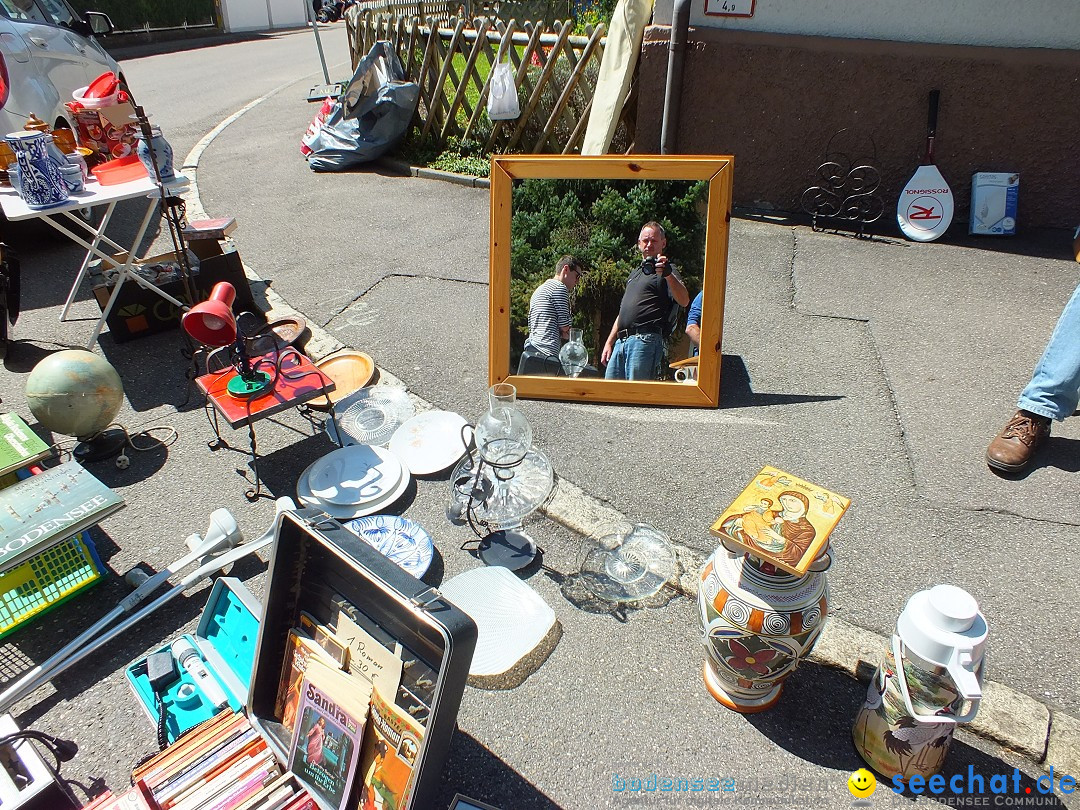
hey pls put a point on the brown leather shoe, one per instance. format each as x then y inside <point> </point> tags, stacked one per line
<point>1014,448</point>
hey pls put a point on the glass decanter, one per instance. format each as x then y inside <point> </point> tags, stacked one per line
<point>573,355</point>
<point>503,436</point>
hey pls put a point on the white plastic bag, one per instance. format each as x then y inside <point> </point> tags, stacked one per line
<point>502,102</point>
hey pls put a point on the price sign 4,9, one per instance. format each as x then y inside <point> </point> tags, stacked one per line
<point>729,8</point>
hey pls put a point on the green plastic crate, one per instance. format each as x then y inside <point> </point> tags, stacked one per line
<point>47,579</point>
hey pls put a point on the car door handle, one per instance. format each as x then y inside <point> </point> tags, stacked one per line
<point>41,43</point>
<point>76,44</point>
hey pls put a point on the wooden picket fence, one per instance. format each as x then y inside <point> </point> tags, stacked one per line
<point>555,73</point>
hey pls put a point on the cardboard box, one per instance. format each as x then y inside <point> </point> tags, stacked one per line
<point>993,203</point>
<point>139,312</point>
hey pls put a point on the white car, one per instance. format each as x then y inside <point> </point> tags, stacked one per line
<point>46,52</point>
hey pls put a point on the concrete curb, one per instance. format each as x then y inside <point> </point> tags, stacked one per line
<point>407,170</point>
<point>1006,717</point>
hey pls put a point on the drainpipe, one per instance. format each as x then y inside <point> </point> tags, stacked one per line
<point>680,25</point>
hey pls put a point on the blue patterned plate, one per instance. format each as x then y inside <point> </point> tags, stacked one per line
<point>401,540</point>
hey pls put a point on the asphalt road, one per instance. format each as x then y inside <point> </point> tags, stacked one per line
<point>879,369</point>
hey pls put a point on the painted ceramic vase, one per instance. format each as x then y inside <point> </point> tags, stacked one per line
<point>759,623</point>
<point>40,182</point>
<point>162,153</point>
<point>911,711</point>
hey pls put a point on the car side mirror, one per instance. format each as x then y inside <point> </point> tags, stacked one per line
<point>99,24</point>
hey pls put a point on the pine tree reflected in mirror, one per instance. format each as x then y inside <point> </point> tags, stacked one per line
<point>598,223</point>
<point>544,207</point>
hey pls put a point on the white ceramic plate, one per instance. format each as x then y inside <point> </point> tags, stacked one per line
<point>429,442</point>
<point>354,475</point>
<point>348,512</point>
<point>401,540</point>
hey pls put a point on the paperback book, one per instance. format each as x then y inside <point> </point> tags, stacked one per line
<point>390,752</point>
<point>299,649</point>
<point>330,726</point>
<point>54,505</point>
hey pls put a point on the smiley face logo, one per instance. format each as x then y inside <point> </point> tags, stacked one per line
<point>862,784</point>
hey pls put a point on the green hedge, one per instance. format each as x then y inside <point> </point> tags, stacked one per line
<point>598,221</point>
<point>133,15</point>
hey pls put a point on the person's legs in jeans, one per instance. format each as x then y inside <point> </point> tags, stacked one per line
<point>1055,386</point>
<point>643,356</point>
<point>616,367</point>
<point>1051,394</point>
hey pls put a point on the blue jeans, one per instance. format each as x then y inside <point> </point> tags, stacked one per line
<point>636,357</point>
<point>1055,386</point>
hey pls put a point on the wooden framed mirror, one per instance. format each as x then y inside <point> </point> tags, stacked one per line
<point>596,206</point>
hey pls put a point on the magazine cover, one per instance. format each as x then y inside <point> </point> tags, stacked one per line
<point>391,748</point>
<point>782,520</point>
<point>44,509</point>
<point>326,742</point>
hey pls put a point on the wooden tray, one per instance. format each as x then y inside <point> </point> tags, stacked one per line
<point>276,335</point>
<point>350,372</point>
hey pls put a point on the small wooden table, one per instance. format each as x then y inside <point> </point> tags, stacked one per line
<point>294,381</point>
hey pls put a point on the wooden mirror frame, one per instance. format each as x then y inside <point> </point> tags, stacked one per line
<point>717,170</point>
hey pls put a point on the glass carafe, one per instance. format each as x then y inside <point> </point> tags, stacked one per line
<point>502,436</point>
<point>574,356</point>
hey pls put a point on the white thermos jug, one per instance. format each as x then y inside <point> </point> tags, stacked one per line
<point>929,680</point>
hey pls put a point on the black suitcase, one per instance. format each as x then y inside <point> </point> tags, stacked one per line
<point>314,562</point>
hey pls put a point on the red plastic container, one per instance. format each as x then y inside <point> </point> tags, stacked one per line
<point>120,170</point>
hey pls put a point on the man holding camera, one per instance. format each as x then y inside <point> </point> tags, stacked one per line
<point>635,347</point>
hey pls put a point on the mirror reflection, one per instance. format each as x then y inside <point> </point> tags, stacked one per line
<point>607,274</point>
<point>619,261</point>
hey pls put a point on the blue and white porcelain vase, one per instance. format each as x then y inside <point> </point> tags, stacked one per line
<point>40,182</point>
<point>162,153</point>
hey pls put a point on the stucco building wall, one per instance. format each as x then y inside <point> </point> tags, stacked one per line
<point>1002,23</point>
<point>774,100</point>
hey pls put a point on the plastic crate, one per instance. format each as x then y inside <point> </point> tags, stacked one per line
<point>47,580</point>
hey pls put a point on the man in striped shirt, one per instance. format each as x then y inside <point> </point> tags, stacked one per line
<point>549,320</point>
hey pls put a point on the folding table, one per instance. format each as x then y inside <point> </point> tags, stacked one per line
<point>96,194</point>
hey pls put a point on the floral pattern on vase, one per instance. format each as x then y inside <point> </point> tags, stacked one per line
<point>40,182</point>
<point>758,624</point>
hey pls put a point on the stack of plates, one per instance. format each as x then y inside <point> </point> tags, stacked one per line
<point>353,481</point>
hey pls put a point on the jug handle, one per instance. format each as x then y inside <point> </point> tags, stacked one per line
<point>967,682</point>
<point>901,679</point>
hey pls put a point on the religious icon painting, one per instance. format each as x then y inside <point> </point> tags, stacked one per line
<point>782,520</point>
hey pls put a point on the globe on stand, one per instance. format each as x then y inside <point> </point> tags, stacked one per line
<point>78,393</point>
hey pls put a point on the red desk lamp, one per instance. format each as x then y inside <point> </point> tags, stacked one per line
<point>212,323</point>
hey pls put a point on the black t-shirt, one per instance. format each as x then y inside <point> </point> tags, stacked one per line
<point>646,301</point>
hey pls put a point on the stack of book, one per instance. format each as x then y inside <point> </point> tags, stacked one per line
<point>336,696</point>
<point>222,764</point>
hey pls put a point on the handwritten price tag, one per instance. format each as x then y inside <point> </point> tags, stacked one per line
<point>369,658</point>
<point>729,8</point>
